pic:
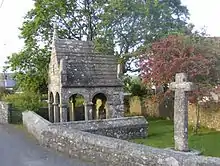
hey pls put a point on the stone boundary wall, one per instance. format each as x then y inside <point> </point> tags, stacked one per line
<point>106,150</point>
<point>208,117</point>
<point>35,124</point>
<point>5,112</point>
<point>122,128</point>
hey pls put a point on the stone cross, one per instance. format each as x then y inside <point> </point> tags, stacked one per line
<point>181,86</point>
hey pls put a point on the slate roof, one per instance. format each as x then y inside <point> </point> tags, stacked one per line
<point>84,67</point>
<point>6,80</point>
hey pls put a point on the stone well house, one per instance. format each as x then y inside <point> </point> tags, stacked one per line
<point>75,69</point>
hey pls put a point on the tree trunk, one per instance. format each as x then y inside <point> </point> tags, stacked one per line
<point>197,119</point>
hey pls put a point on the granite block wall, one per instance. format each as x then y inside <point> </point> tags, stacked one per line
<point>5,112</point>
<point>35,124</point>
<point>208,115</point>
<point>122,128</point>
<point>106,150</point>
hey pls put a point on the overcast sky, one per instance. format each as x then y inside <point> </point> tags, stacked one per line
<point>203,13</point>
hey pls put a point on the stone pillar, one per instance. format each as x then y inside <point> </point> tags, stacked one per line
<point>56,112</point>
<point>107,110</point>
<point>63,117</point>
<point>72,110</point>
<point>5,113</point>
<point>90,111</point>
<point>50,112</point>
<point>115,111</point>
<point>117,105</point>
<point>110,112</point>
<point>120,110</point>
<point>86,112</point>
<point>97,113</point>
<point>121,106</point>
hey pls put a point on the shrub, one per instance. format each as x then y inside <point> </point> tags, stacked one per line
<point>3,92</point>
<point>24,101</point>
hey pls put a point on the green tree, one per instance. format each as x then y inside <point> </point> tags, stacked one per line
<point>24,101</point>
<point>136,87</point>
<point>73,20</point>
<point>137,23</point>
<point>112,24</point>
<point>31,66</point>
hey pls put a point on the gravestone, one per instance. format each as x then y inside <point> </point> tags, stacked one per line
<point>181,86</point>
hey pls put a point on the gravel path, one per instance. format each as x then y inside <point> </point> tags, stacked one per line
<point>19,149</point>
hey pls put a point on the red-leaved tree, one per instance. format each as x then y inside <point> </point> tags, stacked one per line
<point>179,53</point>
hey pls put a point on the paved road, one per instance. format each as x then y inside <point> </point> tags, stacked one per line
<point>19,149</point>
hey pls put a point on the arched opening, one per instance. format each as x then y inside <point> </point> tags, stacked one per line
<point>99,110</point>
<point>76,111</point>
<point>57,107</point>
<point>50,107</point>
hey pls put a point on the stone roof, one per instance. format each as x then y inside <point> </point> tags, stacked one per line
<point>84,67</point>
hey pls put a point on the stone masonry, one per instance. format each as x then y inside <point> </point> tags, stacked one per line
<point>5,112</point>
<point>75,68</point>
<point>121,128</point>
<point>107,151</point>
<point>181,111</point>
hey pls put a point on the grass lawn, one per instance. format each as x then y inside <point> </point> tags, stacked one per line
<point>161,135</point>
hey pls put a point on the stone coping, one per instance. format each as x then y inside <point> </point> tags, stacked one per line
<point>106,150</point>
<point>111,121</point>
<point>122,128</point>
<point>38,116</point>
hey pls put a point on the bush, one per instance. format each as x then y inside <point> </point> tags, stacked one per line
<point>24,101</point>
<point>3,92</point>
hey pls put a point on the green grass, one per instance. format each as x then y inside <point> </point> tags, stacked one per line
<point>161,136</point>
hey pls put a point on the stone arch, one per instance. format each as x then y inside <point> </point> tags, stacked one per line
<point>57,98</point>
<point>99,110</point>
<point>100,92</point>
<point>51,97</point>
<point>50,106</point>
<point>76,107</point>
<point>70,93</point>
<point>57,107</point>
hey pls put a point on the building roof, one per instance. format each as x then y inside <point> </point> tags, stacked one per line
<point>6,80</point>
<point>83,66</point>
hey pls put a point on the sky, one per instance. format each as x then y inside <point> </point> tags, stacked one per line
<point>202,13</point>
